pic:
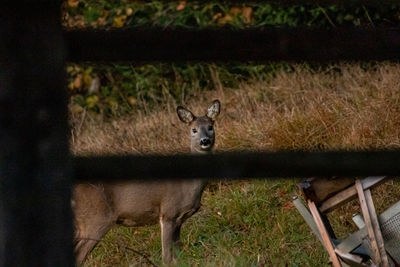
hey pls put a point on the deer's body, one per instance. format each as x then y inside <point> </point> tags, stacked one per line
<point>97,207</point>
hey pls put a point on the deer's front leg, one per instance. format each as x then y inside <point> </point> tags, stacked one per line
<point>170,237</point>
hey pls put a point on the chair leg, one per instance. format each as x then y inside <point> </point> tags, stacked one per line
<point>307,216</point>
<point>371,221</point>
<point>324,234</point>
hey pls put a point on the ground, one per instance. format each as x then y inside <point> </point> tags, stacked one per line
<point>252,222</point>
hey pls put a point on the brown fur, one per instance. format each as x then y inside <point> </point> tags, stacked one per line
<point>97,207</point>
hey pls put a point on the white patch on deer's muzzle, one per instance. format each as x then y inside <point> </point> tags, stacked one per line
<point>205,147</point>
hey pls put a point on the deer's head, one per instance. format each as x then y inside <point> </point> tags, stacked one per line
<point>202,133</point>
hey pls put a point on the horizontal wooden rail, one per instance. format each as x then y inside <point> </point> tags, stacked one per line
<point>309,2</point>
<point>234,45</point>
<point>238,165</point>
<point>316,2</point>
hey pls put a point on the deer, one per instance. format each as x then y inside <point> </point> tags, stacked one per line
<point>99,207</point>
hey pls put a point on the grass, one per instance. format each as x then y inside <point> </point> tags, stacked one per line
<point>253,223</point>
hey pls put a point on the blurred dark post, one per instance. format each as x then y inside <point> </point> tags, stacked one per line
<point>35,212</point>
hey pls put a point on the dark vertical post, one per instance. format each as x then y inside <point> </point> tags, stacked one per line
<point>35,212</point>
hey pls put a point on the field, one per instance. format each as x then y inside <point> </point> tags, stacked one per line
<point>252,222</point>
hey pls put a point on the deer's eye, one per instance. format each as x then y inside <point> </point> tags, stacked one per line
<point>194,130</point>
<point>210,128</point>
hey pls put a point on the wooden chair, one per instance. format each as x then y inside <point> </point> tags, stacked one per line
<point>377,241</point>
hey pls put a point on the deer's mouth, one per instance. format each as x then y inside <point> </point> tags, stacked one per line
<point>205,147</point>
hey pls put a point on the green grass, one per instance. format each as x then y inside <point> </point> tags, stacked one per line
<point>244,223</point>
<point>241,223</point>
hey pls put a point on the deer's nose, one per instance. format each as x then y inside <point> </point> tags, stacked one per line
<point>205,141</point>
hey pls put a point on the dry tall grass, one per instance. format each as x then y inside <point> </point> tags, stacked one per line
<point>341,107</point>
<point>345,107</point>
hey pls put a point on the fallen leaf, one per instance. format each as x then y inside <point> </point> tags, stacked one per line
<point>77,21</point>
<point>217,16</point>
<point>132,100</point>
<point>87,79</point>
<point>106,13</point>
<point>70,69</point>
<point>73,3</point>
<point>75,108</point>
<point>247,13</point>
<point>119,21</point>
<point>71,86</point>
<point>128,11</point>
<point>94,86</point>
<point>181,5</point>
<point>281,193</point>
<point>288,206</point>
<point>78,81</point>
<point>100,22</point>
<point>91,101</point>
<point>235,10</point>
<point>224,20</point>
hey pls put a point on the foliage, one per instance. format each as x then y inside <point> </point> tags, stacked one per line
<point>196,14</point>
<point>127,87</point>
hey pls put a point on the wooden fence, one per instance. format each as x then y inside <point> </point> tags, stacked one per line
<point>37,170</point>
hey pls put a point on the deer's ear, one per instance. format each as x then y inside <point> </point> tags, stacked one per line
<point>214,110</point>
<point>184,114</point>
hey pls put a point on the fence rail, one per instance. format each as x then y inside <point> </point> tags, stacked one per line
<point>238,165</point>
<point>35,214</point>
<point>260,45</point>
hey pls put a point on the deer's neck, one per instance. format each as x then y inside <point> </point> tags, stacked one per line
<point>201,182</point>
